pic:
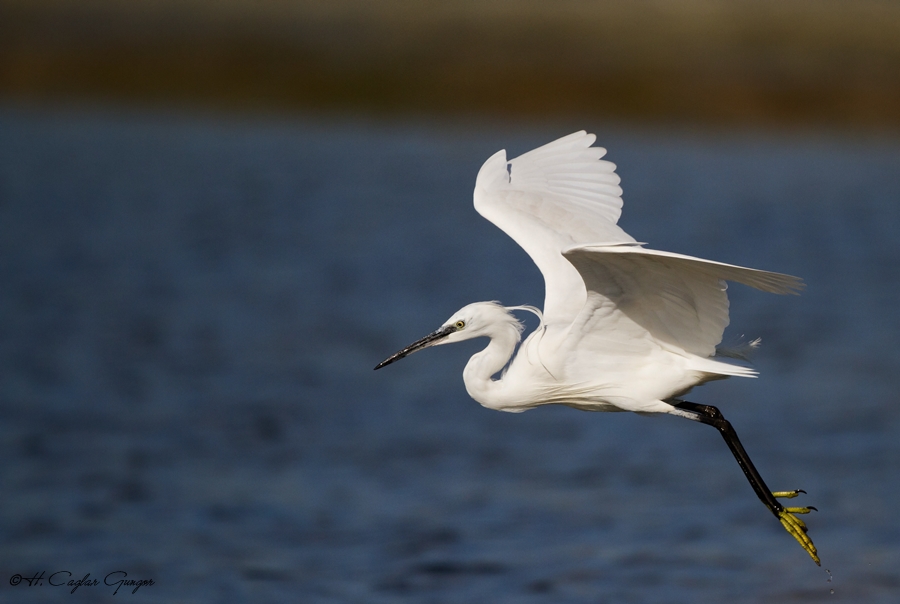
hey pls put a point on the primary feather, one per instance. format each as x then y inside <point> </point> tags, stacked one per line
<point>551,199</point>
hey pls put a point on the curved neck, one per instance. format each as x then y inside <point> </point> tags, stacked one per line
<point>479,371</point>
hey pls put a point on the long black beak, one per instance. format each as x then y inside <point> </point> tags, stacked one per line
<point>429,340</point>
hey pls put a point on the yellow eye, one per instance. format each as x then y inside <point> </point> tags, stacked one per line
<point>460,324</point>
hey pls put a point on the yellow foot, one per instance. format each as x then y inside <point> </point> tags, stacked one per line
<point>795,526</point>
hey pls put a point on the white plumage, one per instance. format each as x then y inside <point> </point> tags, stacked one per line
<point>624,328</point>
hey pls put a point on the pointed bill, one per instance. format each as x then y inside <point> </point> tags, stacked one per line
<point>429,340</point>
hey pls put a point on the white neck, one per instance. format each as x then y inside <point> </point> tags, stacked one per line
<point>479,371</point>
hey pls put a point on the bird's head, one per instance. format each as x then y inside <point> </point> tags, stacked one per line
<point>472,321</point>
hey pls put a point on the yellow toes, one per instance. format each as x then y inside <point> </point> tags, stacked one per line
<point>796,522</point>
<point>797,529</point>
<point>788,494</point>
<point>795,526</point>
<point>800,510</point>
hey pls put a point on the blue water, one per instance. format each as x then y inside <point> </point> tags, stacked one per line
<point>190,310</point>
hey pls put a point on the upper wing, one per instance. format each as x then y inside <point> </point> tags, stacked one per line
<point>675,300</point>
<point>551,199</point>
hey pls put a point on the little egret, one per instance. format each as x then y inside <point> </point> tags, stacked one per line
<point>624,328</point>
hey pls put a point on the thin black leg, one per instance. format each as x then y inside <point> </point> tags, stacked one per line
<point>787,516</point>
<point>711,416</point>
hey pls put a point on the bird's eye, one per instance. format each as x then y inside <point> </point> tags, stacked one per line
<point>460,324</point>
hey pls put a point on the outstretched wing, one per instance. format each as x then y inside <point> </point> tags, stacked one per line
<point>551,199</point>
<point>677,301</point>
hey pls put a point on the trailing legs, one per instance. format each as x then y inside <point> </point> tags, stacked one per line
<point>711,416</point>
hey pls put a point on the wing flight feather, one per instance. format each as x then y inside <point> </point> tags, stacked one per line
<point>548,200</point>
<point>561,203</point>
<point>674,299</point>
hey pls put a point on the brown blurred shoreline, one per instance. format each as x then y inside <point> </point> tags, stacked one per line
<point>791,63</point>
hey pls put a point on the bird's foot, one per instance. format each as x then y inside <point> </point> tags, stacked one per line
<point>795,526</point>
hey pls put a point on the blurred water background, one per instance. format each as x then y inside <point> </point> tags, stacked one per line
<point>192,300</point>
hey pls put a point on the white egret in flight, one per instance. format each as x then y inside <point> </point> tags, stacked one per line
<point>624,328</point>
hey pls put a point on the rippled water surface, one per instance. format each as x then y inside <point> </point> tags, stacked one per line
<point>190,310</point>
